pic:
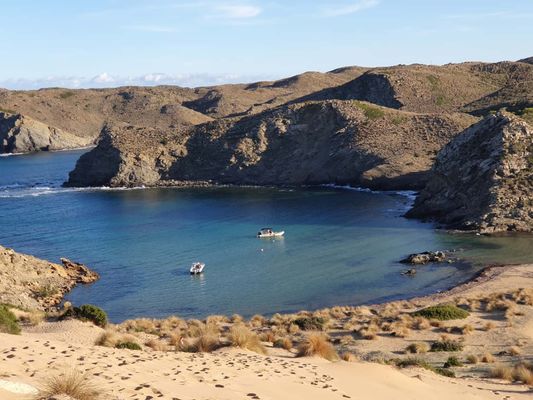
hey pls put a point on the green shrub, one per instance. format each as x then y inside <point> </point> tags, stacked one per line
<point>128,345</point>
<point>442,312</point>
<point>92,313</point>
<point>452,361</point>
<point>445,372</point>
<point>8,321</point>
<point>446,345</point>
<point>310,323</point>
<point>418,362</point>
<point>371,112</point>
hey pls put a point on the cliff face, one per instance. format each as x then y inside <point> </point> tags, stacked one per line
<point>20,134</point>
<point>483,179</point>
<point>306,143</point>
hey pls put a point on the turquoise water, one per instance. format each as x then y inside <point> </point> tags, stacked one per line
<point>341,246</point>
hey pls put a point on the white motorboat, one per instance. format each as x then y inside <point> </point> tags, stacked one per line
<point>197,268</point>
<point>269,233</point>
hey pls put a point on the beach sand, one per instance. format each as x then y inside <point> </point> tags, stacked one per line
<point>53,348</point>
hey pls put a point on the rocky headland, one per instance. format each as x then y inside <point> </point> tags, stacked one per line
<point>483,179</point>
<point>21,134</point>
<point>34,284</point>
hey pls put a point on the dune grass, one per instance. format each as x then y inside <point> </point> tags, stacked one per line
<point>241,336</point>
<point>8,321</point>
<point>71,383</point>
<point>317,344</point>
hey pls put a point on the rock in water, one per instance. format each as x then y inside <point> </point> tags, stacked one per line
<point>483,179</point>
<point>424,258</point>
<point>20,134</point>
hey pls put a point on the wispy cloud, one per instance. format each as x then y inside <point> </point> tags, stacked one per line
<point>237,11</point>
<point>338,9</point>
<point>106,80</point>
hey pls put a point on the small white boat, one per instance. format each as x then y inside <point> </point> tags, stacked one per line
<point>268,233</point>
<point>197,268</point>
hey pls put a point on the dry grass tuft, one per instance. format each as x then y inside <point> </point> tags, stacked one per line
<point>157,345</point>
<point>417,348</point>
<point>348,357</point>
<point>515,351</point>
<point>502,372</point>
<point>283,343</point>
<point>202,344</point>
<point>243,337</point>
<point>487,358</point>
<point>523,373</point>
<point>316,344</point>
<point>71,383</point>
<point>489,326</point>
<point>420,323</point>
<point>472,359</point>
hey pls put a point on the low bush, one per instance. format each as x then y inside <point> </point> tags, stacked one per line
<point>446,345</point>
<point>452,361</point>
<point>128,345</point>
<point>442,312</point>
<point>91,313</point>
<point>8,321</point>
<point>310,323</point>
<point>417,362</point>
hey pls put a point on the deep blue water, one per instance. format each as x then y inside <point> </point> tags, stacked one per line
<point>341,246</point>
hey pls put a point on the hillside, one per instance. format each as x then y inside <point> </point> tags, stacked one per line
<point>474,88</point>
<point>482,180</point>
<point>308,143</point>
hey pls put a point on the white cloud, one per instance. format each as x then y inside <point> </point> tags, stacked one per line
<point>105,80</point>
<point>238,11</point>
<point>349,8</point>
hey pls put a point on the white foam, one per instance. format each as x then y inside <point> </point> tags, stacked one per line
<point>17,387</point>
<point>36,191</point>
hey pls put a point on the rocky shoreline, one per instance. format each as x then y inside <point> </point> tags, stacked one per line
<point>34,284</point>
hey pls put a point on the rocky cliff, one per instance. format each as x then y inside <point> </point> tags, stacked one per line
<point>20,134</point>
<point>346,142</point>
<point>483,179</point>
<point>32,283</point>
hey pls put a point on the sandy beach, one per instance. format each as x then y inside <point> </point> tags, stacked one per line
<point>53,348</point>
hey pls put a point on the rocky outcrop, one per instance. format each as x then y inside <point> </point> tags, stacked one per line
<point>20,134</point>
<point>30,283</point>
<point>483,179</point>
<point>344,142</point>
<point>425,257</point>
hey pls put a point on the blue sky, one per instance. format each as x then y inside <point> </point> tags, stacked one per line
<point>99,43</point>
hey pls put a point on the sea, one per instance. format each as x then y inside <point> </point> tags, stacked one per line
<point>342,245</point>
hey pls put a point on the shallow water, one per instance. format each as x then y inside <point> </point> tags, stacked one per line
<point>341,246</point>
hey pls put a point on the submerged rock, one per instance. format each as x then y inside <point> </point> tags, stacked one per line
<point>483,179</point>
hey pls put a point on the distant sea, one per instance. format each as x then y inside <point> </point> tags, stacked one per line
<point>341,245</point>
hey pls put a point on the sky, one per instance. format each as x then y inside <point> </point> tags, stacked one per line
<point>105,43</point>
